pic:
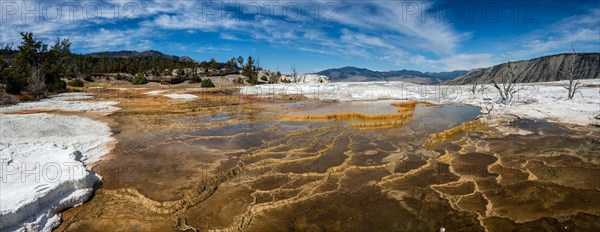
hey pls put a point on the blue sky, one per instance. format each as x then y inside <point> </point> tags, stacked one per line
<point>316,35</point>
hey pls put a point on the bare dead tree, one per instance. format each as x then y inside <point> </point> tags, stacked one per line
<point>474,87</point>
<point>573,85</point>
<point>36,86</point>
<point>487,112</point>
<point>507,86</point>
<point>489,109</point>
<point>294,74</point>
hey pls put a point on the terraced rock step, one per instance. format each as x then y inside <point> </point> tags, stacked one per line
<point>255,167</point>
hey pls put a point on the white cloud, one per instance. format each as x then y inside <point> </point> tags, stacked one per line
<point>351,30</point>
<point>212,49</point>
<point>387,31</point>
<point>360,39</point>
<point>194,21</point>
<point>397,20</point>
<point>469,61</point>
<point>229,36</point>
<point>59,19</point>
<point>106,40</point>
<point>582,31</point>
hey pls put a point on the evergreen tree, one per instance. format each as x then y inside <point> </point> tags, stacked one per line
<point>27,60</point>
<point>214,66</point>
<point>54,65</point>
<point>248,68</point>
<point>207,83</point>
<point>35,61</point>
<point>240,61</point>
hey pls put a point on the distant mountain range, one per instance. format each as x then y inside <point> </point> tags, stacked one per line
<point>354,74</point>
<point>136,54</point>
<point>542,69</point>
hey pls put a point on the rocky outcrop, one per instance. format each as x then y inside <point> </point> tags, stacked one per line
<point>543,69</point>
<point>305,78</point>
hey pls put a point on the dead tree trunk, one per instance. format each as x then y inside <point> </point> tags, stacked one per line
<point>294,74</point>
<point>507,86</point>
<point>573,85</point>
<point>37,85</point>
<point>474,87</point>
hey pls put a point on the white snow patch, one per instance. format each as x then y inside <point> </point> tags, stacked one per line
<point>180,96</point>
<point>44,159</point>
<point>125,89</point>
<point>155,92</point>
<point>65,102</point>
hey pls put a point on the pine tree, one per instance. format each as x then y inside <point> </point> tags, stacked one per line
<point>28,59</point>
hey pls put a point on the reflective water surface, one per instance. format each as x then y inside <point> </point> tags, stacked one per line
<point>224,163</point>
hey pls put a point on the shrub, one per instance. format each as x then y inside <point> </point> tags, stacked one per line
<point>274,78</point>
<point>57,86</point>
<point>14,85</point>
<point>253,80</point>
<point>264,78</point>
<point>195,79</point>
<point>139,79</point>
<point>7,99</point>
<point>180,72</point>
<point>207,83</point>
<point>76,83</point>
<point>88,78</point>
<point>53,83</point>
